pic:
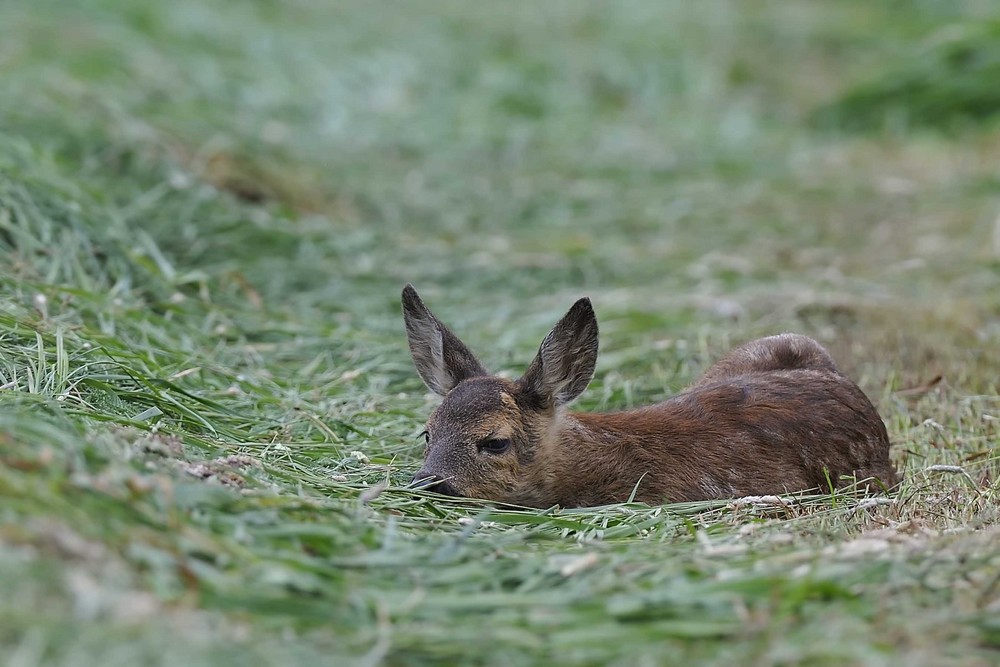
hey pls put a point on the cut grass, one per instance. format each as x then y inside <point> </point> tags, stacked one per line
<point>207,211</point>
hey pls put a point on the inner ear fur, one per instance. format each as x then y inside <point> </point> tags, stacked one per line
<point>566,359</point>
<point>441,359</point>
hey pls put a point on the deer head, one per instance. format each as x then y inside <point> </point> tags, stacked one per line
<point>485,435</point>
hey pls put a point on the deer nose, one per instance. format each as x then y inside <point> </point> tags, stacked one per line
<point>434,483</point>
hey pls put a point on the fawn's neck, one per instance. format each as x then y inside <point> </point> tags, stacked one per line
<point>594,459</point>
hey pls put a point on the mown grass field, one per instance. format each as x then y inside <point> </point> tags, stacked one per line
<point>207,407</point>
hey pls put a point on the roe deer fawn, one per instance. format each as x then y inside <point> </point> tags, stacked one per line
<point>773,416</point>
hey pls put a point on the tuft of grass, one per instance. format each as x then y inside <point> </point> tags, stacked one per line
<point>949,81</point>
<point>207,409</point>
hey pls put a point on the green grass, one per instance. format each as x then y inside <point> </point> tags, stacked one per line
<point>208,209</point>
<point>945,82</point>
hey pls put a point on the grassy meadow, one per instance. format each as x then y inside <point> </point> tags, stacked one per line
<point>208,412</point>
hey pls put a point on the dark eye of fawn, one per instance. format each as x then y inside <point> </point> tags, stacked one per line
<point>494,446</point>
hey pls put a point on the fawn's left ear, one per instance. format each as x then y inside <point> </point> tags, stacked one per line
<point>565,362</point>
<point>441,359</point>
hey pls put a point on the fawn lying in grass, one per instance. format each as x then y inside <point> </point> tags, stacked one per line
<point>773,416</point>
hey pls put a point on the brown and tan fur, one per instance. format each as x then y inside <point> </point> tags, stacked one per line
<point>773,416</point>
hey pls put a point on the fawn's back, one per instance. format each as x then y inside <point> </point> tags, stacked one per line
<point>773,416</point>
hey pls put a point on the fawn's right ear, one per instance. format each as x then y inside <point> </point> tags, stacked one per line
<point>565,362</point>
<point>442,360</point>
